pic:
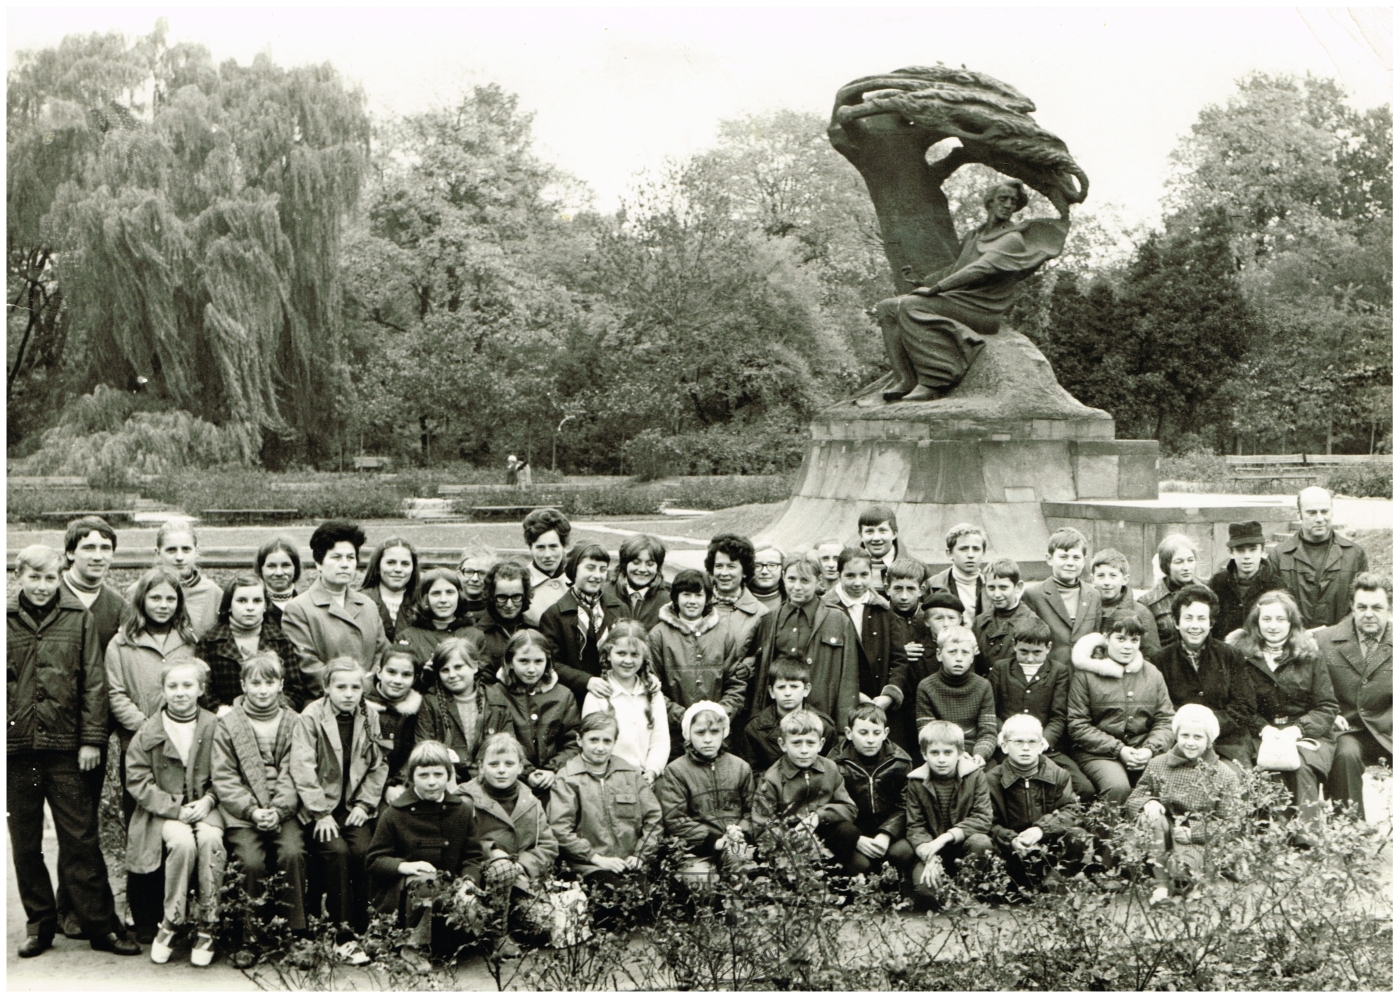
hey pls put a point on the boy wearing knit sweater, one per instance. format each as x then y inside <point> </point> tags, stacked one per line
<point>947,810</point>
<point>955,694</point>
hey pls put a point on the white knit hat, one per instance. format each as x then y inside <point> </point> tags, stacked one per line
<point>696,708</point>
<point>1197,715</point>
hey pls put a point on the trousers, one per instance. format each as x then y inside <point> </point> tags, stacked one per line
<point>34,778</point>
<point>193,851</point>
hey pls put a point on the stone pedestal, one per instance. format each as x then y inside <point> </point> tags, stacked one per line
<point>1001,445</point>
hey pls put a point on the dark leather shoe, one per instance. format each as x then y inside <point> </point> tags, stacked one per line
<point>112,943</point>
<point>71,928</point>
<point>34,945</point>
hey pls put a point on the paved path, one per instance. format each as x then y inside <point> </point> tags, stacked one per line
<point>1361,514</point>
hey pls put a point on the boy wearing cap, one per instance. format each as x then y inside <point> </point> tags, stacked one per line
<point>1249,575</point>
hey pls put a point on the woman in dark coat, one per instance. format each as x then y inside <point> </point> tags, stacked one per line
<point>1293,693</point>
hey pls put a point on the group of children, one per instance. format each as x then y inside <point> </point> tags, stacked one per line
<point>454,727</point>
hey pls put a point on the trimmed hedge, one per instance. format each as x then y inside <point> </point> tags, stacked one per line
<point>24,505</point>
<point>637,499</point>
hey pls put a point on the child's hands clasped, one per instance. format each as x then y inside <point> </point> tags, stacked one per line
<point>265,819</point>
<point>541,778</point>
<point>873,847</point>
<point>1135,758</point>
<point>196,811</point>
<point>1028,838</point>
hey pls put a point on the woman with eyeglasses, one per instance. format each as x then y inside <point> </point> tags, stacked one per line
<point>476,562</point>
<point>507,592</point>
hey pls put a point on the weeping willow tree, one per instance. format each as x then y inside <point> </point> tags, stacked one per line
<point>198,245</point>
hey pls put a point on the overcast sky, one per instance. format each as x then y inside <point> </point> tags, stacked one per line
<point>616,90</point>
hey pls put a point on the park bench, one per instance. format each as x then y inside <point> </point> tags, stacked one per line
<point>368,462</point>
<point>46,482</point>
<point>249,515</point>
<point>496,512</point>
<point>110,515</point>
<point>1294,469</point>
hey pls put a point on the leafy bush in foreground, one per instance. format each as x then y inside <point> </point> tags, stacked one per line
<point>1261,914</point>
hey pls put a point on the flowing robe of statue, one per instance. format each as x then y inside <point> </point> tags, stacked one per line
<point>941,333</point>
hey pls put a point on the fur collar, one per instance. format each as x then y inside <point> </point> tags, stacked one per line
<point>1084,660</point>
<point>691,628</point>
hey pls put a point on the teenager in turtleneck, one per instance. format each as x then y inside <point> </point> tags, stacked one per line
<point>88,546</point>
<point>1176,557</point>
<point>547,536</point>
<point>579,621</point>
<point>1109,573</point>
<point>279,566</point>
<point>439,614</point>
<point>639,588</point>
<point>472,569</point>
<point>507,600</point>
<point>177,548</point>
<point>245,629</point>
<point>966,544</point>
<point>1067,604</point>
<point>767,582</point>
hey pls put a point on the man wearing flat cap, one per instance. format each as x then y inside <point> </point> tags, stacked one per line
<point>1249,575</point>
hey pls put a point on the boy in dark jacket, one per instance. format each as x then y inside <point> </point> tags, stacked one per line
<point>995,626</point>
<point>707,795</point>
<point>875,770</point>
<point>1031,683</point>
<point>1034,806</point>
<point>805,787</point>
<point>427,835</point>
<point>789,684</point>
<point>947,810</point>
<point>1247,576</point>
<point>57,711</point>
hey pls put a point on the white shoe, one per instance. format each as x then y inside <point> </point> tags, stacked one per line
<point>352,953</point>
<point>202,953</point>
<point>164,943</point>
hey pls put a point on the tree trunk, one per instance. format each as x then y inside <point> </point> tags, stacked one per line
<point>1329,434</point>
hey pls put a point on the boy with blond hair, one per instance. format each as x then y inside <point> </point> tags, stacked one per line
<point>947,810</point>
<point>805,785</point>
<point>954,693</point>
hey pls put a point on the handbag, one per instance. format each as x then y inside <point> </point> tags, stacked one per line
<point>1277,752</point>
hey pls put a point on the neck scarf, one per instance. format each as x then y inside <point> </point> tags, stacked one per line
<point>590,617</point>
<point>36,611</point>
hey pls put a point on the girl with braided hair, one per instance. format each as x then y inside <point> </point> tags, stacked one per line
<point>644,736</point>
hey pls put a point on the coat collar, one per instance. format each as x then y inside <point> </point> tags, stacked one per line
<point>889,752</point>
<point>1044,773</point>
<point>1337,543</point>
<point>409,797</point>
<point>832,598</point>
<point>1208,758</point>
<point>66,601</point>
<point>354,599</point>
<point>407,707</point>
<point>690,628</point>
<point>485,802</point>
<point>506,677</point>
<point>324,714</point>
<point>1346,639</point>
<point>616,764</point>
<point>747,603</point>
<point>791,770</point>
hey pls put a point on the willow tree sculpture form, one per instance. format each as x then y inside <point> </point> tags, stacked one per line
<point>954,290</point>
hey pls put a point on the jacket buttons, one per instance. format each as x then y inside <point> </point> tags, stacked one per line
<point>536,717</point>
<point>1130,694</point>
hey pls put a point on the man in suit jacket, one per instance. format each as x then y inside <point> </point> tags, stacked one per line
<point>1070,607</point>
<point>1317,564</point>
<point>1359,653</point>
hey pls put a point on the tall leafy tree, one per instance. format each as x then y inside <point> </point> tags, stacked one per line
<point>196,238</point>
